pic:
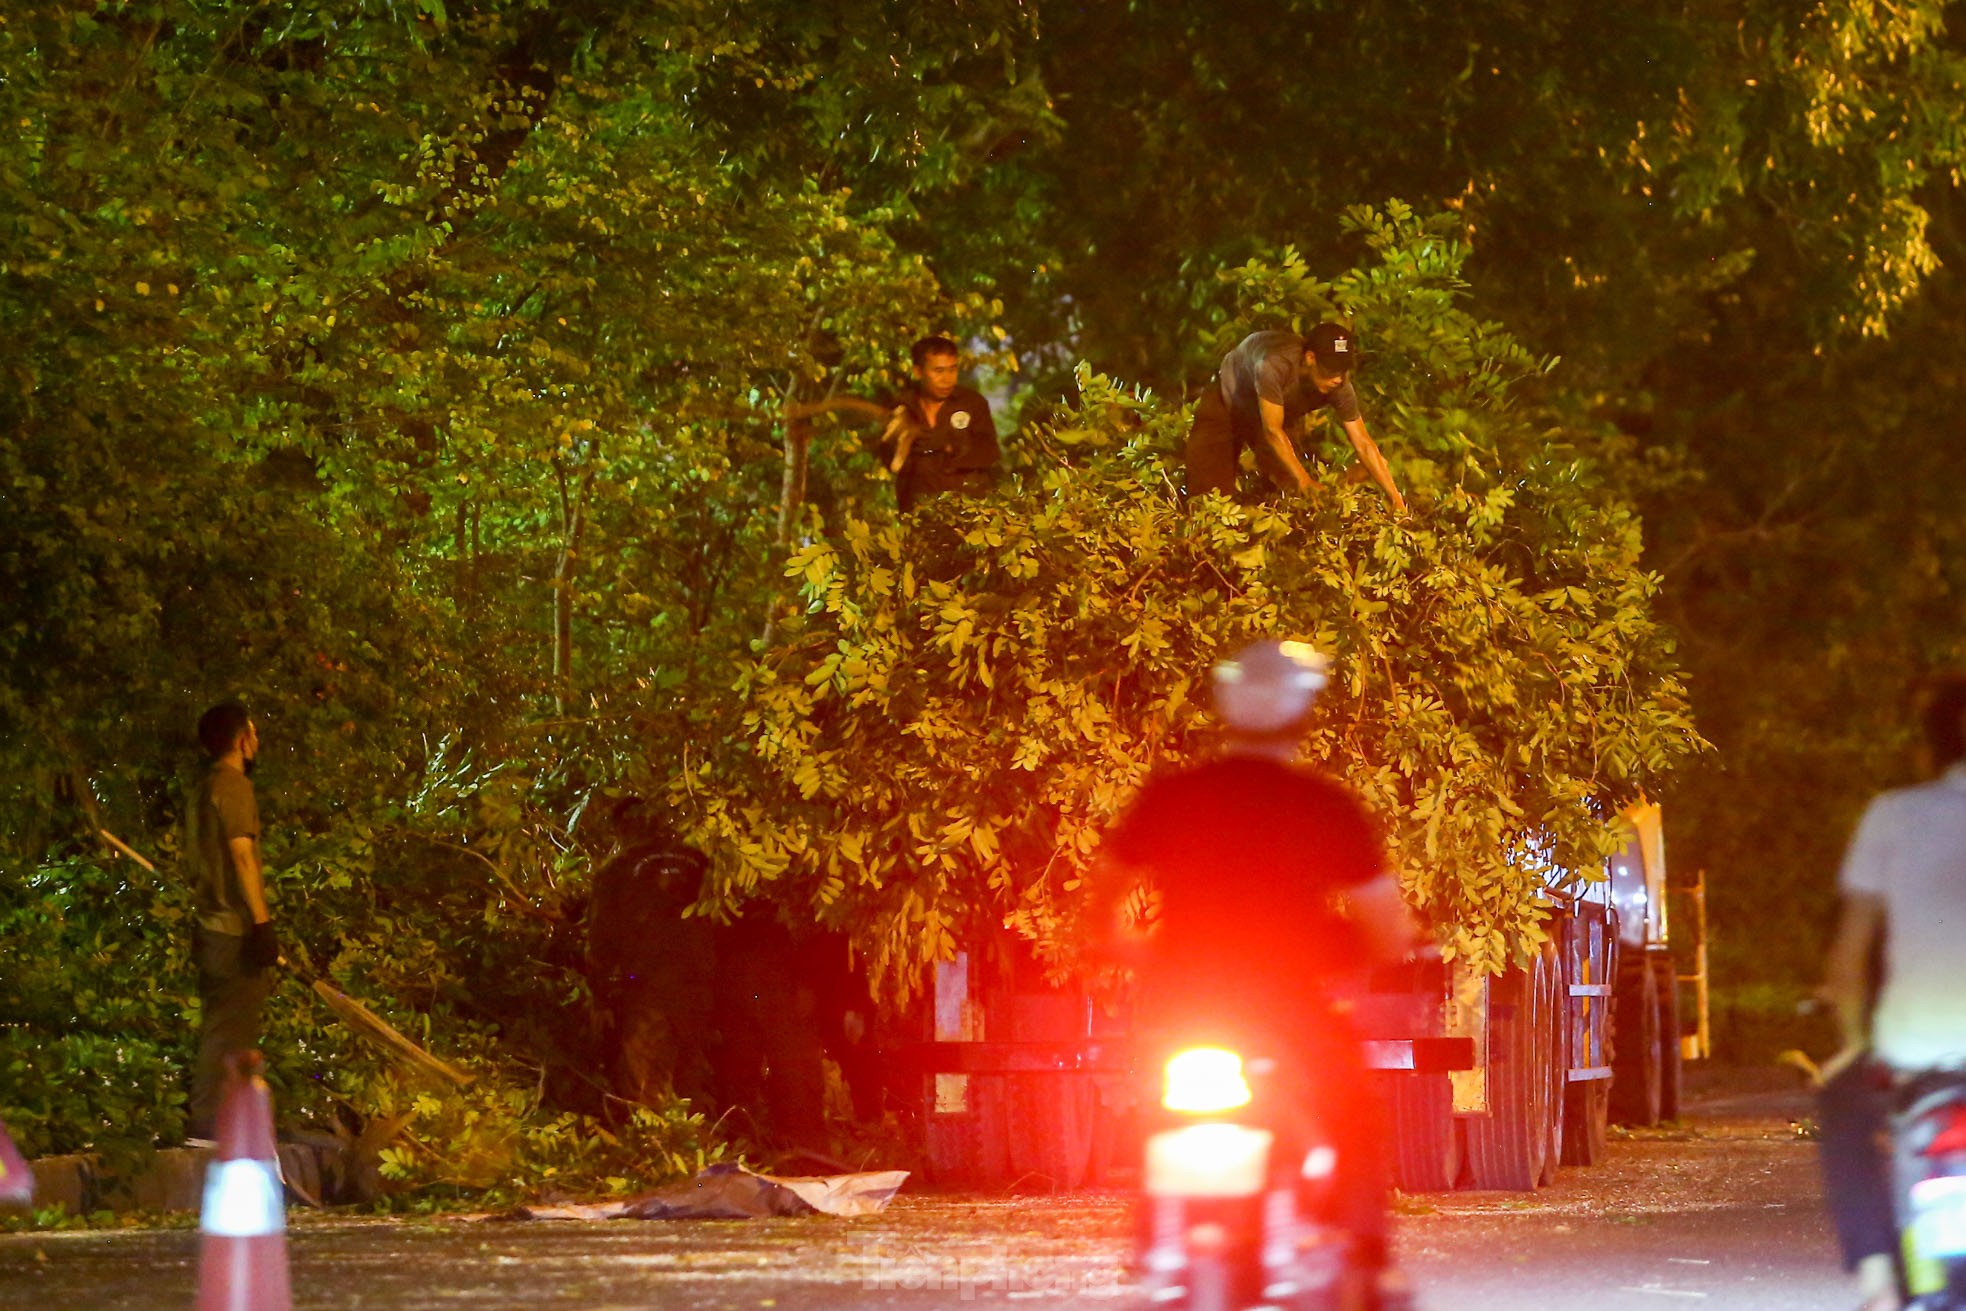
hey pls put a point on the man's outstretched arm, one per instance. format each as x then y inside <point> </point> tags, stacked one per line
<point>1279,444</point>
<point>1375,463</point>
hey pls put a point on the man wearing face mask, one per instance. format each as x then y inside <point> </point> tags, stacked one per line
<point>234,942</point>
<point>1265,386</point>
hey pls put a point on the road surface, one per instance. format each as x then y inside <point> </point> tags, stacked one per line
<point>1722,1211</point>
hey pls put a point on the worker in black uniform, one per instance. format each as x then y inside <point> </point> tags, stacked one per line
<point>940,436</point>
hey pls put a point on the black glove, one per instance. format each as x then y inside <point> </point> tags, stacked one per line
<point>262,949</point>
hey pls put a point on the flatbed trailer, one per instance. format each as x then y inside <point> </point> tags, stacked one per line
<point>1493,1082</point>
<point>1584,1035</point>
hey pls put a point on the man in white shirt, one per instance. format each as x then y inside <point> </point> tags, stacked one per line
<point>1897,981</point>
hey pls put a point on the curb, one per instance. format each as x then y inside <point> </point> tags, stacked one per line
<point>174,1180</point>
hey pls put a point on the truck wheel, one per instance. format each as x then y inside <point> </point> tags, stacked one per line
<point>1671,1060</point>
<point>1509,1147</point>
<point>1426,1136</point>
<point>1556,1057</point>
<point>1115,1140</point>
<point>970,1149</point>
<point>1635,1069</point>
<point>1053,1117</point>
<point>1051,1129</point>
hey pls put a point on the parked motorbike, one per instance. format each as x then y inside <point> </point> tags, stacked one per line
<point>1928,1138</point>
<point>1237,1177</point>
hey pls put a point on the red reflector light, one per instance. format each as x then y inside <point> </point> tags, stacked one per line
<point>1952,1138</point>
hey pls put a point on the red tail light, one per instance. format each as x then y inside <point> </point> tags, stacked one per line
<point>1952,1137</point>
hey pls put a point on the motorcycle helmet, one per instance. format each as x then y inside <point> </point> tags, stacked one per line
<point>1268,687</point>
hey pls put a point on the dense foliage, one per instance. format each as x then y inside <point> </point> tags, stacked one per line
<point>1816,568</point>
<point>1738,225</point>
<point>416,371</point>
<point>969,699</point>
<point>414,374</point>
<point>456,912</point>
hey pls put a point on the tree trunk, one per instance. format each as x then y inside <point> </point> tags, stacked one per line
<point>792,485</point>
<point>573,526</point>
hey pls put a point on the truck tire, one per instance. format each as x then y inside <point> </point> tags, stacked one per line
<point>971,1149</point>
<point>1509,1147</point>
<point>1635,1079</point>
<point>1671,1059</point>
<point>1556,1058</point>
<point>1427,1152</point>
<point>1052,1116</point>
<point>1051,1127</point>
<point>1115,1140</point>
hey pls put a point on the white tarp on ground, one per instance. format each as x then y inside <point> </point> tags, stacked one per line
<point>731,1192</point>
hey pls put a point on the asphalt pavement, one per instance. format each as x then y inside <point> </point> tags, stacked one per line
<point>1723,1209</point>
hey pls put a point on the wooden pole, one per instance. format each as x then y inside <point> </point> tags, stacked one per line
<point>125,848</point>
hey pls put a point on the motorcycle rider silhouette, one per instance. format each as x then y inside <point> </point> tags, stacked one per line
<point>1241,892</point>
<point>1897,983</point>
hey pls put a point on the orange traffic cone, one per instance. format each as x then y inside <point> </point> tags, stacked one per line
<point>242,1264</point>
<point>16,1180</point>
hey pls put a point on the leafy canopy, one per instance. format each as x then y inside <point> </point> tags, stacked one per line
<point>970,698</point>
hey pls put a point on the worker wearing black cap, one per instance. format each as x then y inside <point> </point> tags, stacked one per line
<point>1270,380</point>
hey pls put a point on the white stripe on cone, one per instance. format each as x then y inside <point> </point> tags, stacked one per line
<point>243,1199</point>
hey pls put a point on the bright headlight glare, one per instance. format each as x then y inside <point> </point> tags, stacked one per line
<point>1205,1081</point>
